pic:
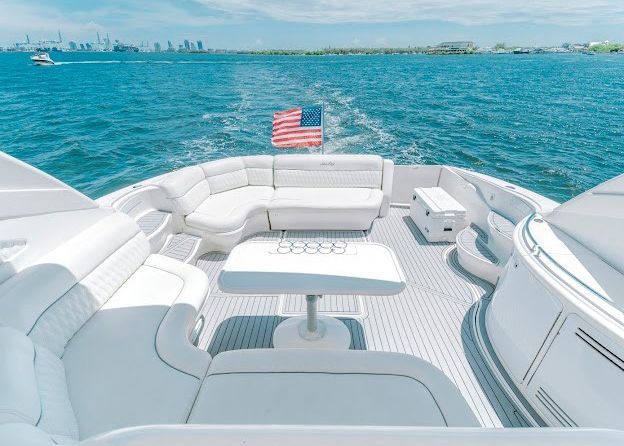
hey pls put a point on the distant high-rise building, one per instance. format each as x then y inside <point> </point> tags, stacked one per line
<point>193,48</point>
<point>157,47</point>
<point>73,46</point>
<point>187,45</point>
<point>169,46</point>
<point>82,47</point>
<point>89,47</point>
<point>98,36</point>
<point>200,45</point>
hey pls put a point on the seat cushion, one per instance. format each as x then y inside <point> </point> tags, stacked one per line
<point>117,374</point>
<point>307,208</point>
<point>328,387</point>
<point>228,211</point>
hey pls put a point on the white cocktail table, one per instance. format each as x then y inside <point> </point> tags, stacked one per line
<point>312,269</point>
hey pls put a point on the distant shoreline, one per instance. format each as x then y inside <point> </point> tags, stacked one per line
<point>289,53</point>
<point>428,50</point>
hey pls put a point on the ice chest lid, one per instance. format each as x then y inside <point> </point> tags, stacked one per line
<point>438,201</point>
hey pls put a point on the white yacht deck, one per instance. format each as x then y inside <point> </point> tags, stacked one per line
<point>430,319</point>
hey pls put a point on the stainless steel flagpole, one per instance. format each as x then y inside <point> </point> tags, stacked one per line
<point>322,128</point>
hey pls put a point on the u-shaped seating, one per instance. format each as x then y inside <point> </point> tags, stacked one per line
<point>225,200</point>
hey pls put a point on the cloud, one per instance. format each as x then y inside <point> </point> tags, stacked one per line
<point>465,12</point>
<point>129,18</point>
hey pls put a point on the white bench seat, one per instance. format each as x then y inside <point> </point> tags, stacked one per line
<point>229,211</point>
<point>223,201</point>
<point>324,208</point>
<point>328,387</point>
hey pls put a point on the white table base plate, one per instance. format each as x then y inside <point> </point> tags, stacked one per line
<point>293,333</point>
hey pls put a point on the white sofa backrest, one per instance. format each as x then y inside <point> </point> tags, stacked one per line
<point>259,170</point>
<point>328,171</point>
<point>52,298</point>
<point>34,390</point>
<point>186,189</point>
<point>225,174</point>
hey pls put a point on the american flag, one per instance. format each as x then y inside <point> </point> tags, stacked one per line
<point>298,127</point>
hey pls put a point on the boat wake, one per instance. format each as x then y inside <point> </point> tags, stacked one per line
<point>106,62</point>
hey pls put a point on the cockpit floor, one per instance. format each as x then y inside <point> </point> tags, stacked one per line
<point>430,319</point>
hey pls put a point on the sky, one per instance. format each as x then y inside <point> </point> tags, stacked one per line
<point>309,24</point>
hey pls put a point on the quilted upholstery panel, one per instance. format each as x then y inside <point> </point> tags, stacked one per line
<point>260,177</point>
<point>57,415</point>
<point>228,181</point>
<point>56,326</point>
<point>328,178</point>
<point>193,198</point>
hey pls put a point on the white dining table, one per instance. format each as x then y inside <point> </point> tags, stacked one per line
<point>312,269</point>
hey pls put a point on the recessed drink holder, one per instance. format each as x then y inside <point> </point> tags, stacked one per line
<point>312,247</point>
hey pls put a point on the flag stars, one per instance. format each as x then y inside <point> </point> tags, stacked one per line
<point>311,116</point>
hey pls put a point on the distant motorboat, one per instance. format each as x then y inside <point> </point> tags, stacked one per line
<point>41,58</point>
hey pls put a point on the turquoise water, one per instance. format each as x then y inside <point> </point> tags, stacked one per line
<point>552,123</point>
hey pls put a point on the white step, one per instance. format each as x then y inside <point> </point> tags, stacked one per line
<point>182,247</point>
<point>156,227</point>
<point>474,255</point>
<point>501,232</point>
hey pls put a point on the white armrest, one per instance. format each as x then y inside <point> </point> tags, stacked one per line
<point>172,339</point>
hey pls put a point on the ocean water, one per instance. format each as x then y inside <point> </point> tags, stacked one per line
<point>552,123</point>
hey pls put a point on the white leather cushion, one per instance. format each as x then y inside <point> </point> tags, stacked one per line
<point>27,295</point>
<point>188,202</point>
<point>315,398</point>
<point>225,174</point>
<point>69,312</point>
<point>259,170</point>
<point>178,183</point>
<point>115,375</point>
<point>300,208</point>
<point>228,211</point>
<point>328,162</point>
<point>326,198</point>
<point>57,415</point>
<point>298,386</point>
<point>186,188</point>
<point>323,178</point>
<point>19,396</point>
<point>328,171</point>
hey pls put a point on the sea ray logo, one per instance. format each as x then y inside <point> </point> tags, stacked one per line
<point>328,163</point>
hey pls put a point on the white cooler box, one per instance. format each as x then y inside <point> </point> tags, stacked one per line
<point>438,215</point>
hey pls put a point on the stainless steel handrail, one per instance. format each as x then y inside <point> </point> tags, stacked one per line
<point>561,268</point>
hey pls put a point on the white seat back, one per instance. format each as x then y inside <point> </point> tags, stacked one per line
<point>329,171</point>
<point>53,297</point>
<point>187,188</point>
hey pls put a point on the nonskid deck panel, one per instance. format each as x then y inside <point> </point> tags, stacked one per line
<point>430,319</point>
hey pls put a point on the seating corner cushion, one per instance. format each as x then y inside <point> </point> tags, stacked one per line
<point>333,387</point>
<point>137,350</point>
<point>229,211</point>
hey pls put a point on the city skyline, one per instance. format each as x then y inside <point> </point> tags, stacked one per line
<point>253,24</point>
